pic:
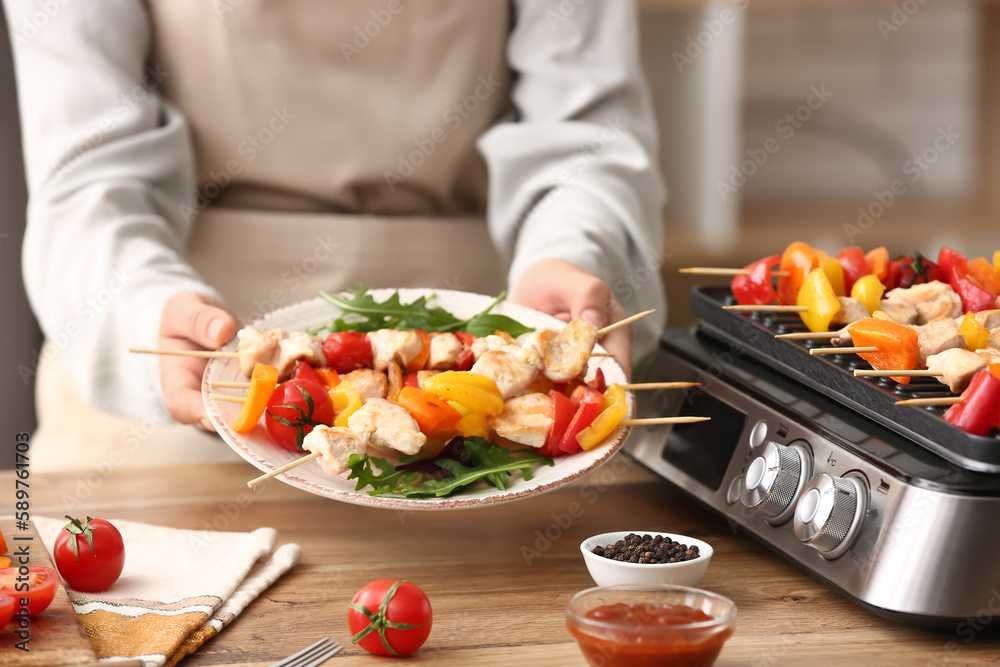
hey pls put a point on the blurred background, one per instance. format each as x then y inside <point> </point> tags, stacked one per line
<point>780,120</point>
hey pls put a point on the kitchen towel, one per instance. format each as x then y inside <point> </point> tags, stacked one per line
<point>179,588</point>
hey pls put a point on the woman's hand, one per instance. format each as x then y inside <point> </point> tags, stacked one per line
<point>561,289</point>
<point>190,321</point>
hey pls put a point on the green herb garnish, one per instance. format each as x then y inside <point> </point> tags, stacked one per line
<point>483,461</point>
<point>361,312</point>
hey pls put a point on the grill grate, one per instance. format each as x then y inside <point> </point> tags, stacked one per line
<point>833,375</point>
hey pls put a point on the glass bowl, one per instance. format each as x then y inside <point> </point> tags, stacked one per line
<point>641,637</point>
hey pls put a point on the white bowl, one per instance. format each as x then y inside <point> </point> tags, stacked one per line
<point>607,572</point>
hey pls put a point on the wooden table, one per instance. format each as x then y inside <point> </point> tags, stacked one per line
<point>497,583</point>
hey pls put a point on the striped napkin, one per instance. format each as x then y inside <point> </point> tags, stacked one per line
<point>179,588</point>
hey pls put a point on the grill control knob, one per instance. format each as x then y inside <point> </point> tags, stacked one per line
<point>829,514</point>
<point>774,479</point>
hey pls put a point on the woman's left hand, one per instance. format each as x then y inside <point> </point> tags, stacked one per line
<point>556,287</point>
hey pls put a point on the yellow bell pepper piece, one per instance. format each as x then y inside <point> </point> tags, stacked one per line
<point>346,401</point>
<point>612,412</point>
<point>996,260</point>
<point>477,393</point>
<point>880,315</point>
<point>869,290</point>
<point>263,381</point>
<point>834,272</point>
<point>976,335</point>
<point>818,296</point>
<point>473,424</point>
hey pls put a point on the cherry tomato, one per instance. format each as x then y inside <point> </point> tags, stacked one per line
<point>347,351</point>
<point>295,407</point>
<point>7,603</point>
<point>39,587</point>
<point>89,555</point>
<point>915,270</point>
<point>390,617</point>
<point>304,371</point>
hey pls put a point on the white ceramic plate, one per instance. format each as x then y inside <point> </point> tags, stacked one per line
<point>257,447</point>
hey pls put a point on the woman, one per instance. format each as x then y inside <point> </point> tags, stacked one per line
<point>191,163</point>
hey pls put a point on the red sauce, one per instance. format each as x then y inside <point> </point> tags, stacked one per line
<point>639,642</point>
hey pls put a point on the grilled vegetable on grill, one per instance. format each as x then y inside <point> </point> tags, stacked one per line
<point>979,411</point>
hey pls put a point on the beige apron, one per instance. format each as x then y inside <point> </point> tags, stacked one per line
<point>335,145</point>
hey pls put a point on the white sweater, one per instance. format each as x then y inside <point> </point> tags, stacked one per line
<point>110,167</point>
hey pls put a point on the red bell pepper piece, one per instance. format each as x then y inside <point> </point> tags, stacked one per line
<point>756,287</point>
<point>979,410</point>
<point>600,384</point>
<point>589,406</point>
<point>562,414</point>
<point>852,260</point>
<point>974,297</point>
<point>411,380</point>
<point>948,259</point>
<point>465,358</point>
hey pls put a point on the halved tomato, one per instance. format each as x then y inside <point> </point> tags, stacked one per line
<point>38,586</point>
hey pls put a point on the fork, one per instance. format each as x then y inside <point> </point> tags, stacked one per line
<point>311,656</point>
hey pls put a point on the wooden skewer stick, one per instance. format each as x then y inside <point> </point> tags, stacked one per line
<point>713,271</point>
<point>662,420</point>
<point>205,354</point>
<point>659,385</point>
<point>941,400</point>
<point>285,468</point>
<point>769,309</point>
<point>229,399</point>
<point>842,350</point>
<point>229,385</point>
<point>601,354</point>
<point>624,323</point>
<point>900,372</point>
<point>810,335</point>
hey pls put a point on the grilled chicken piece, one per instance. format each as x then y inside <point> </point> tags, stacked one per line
<point>851,310</point>
<point>299,346</point>
<point>481,346</point>
<point>901,310</point>
<point>956,367</point>
<point>936,341</point>
<point>932,300</point>
<point>370,384</point>
<point>990,354</point>
<point>256,346</point>
<point>336,446</point>
<point>994,341</point>
<point>512,367</point>
<point>395,429</point>
<point>391,345</point>
<point>525,419</point>
<point>565,351</point>
<point>940,323</point>
<point>445,348</point>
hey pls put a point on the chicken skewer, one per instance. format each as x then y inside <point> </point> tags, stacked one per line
<point>635,386</point>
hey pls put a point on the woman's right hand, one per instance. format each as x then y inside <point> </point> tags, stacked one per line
<point>190,321</point>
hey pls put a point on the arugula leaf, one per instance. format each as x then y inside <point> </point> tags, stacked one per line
<point>361,312</point>
<point>486,461</point>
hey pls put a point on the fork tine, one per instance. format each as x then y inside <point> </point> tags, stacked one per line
<point>317,660</point>
<point>290,660</point>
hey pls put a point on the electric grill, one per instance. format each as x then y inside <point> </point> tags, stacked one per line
<point>891,505</point>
